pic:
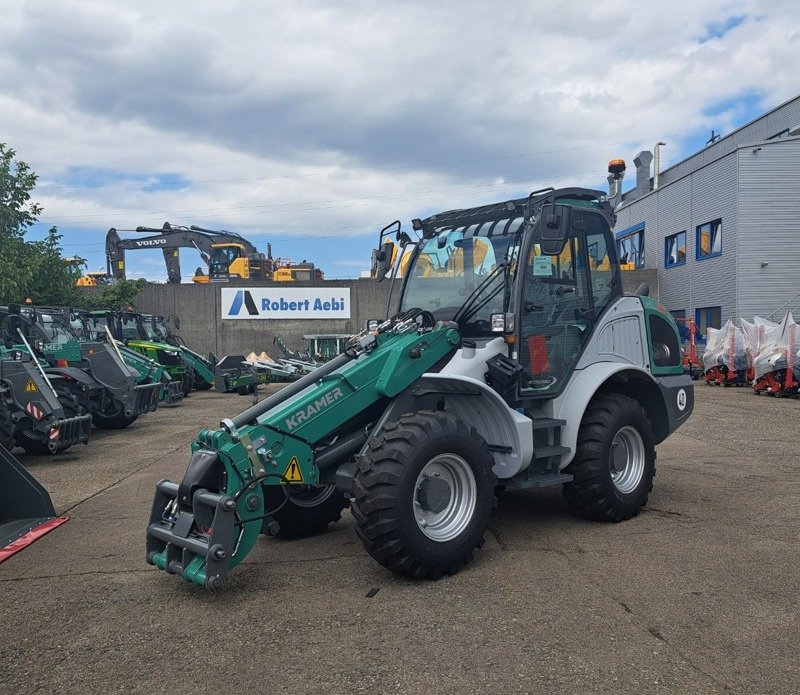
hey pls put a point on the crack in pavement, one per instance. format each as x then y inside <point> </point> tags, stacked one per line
<point>75,574</point>
<point>124,478</point>
<point>652,630</point>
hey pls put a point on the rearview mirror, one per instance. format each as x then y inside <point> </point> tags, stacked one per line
<point>554,225</point>
<point>382,260</point>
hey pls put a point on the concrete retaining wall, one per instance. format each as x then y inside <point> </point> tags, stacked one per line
<point>198,307</point>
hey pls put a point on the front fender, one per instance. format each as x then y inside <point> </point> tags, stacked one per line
<point>72,374</point>
<point>508,433</point>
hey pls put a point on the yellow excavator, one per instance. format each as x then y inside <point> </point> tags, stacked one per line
<point>229,256</point>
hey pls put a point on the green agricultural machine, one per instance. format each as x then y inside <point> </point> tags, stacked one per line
<point>139,335</point>
<point>203,368</point>
<point>91,373</point>
<point>229,374</point>
<point>32,415</point>
<point>93,327</point>
<point>515,360</point>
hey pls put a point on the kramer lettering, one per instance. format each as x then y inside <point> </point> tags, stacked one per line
<point>323,401</point>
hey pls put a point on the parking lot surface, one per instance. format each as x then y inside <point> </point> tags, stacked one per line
<point>698,594</point>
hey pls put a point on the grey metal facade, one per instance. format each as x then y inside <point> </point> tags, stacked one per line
<point>752,184</point>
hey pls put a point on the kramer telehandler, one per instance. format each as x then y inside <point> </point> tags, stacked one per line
<point>94,328</point>
<point>131,329</point>
<point>515,360</point>
<point>91,372</point>
<point>203,368</point>
<point>32,415</point>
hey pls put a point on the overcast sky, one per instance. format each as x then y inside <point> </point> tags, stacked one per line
<point>312,124</point>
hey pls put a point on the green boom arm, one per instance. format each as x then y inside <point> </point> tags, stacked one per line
<point>206,525</point>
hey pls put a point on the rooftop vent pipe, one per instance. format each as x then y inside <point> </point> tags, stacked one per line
<point>657,162</point>
<point>642,163</point>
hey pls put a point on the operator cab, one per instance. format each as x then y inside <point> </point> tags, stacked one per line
<point>538,272</point>
<point>222,259</point>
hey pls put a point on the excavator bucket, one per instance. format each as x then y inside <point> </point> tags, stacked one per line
<point>26,510</point>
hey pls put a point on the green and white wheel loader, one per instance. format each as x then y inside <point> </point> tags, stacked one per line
<point>514,360</point>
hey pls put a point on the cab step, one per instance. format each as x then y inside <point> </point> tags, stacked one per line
<point>546,423</point>
<point>545,452</point>
<point>536,480</point>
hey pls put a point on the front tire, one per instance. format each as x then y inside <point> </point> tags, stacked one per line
<point>36,444</point>
<point>114,420</point>
<point>303,510</point>
<point>614,463</point>
<point>187,381</point>
<point>423,495</point>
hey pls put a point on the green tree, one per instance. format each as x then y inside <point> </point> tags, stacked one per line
<point>53,279</point>
<point>34,269</point>
<point>17,215</point>
<point>121,295</point>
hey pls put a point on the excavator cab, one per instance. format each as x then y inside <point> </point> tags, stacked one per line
<point>228,260</point>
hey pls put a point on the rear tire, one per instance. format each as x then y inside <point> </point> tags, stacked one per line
<point>423,495</point>
<point>614,463</point>
<point>200,384</point>
<point>307,511</point>
<point>6,425</point>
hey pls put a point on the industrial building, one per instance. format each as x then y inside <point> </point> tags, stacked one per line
<point>722,227</point>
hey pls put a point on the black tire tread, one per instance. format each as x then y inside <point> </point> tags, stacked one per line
<point>6,425</point>
<point>380,473</point>
<point>590,492</point>
<point>302,522</point>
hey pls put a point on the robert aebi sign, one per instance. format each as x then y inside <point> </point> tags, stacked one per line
<point>285,303</point>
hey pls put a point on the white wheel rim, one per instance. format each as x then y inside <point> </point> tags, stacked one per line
<point>627,459</point>
<point>445,496</point>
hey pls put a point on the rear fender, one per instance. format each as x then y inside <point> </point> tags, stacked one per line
<point>28,387</point>
<point>655,396</point>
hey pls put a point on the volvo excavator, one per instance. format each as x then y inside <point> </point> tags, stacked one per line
<point>228,255</point>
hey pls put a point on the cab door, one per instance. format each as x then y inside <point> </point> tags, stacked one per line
<point>562,297</point>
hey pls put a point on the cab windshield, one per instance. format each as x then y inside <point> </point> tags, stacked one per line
<point>155,329</point>
<point>221,259</point>
<point>96,327</point>
<point>129,326</point>
<point>53,328</point>
<point>462,266</point>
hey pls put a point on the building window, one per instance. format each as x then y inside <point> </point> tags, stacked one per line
<point>707,317</point>
<point>675,250</point>
<point>630,244</point>
<point>709,240</point>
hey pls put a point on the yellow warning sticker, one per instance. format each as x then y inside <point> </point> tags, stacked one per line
<point>30,387</point>
<point>293,474</point>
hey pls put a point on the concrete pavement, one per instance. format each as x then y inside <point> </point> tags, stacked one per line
<point>699,594</point>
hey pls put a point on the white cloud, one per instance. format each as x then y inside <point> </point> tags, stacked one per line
<point>309,116</point>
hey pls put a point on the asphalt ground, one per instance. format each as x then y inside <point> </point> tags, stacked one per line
<point>698,594</point>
